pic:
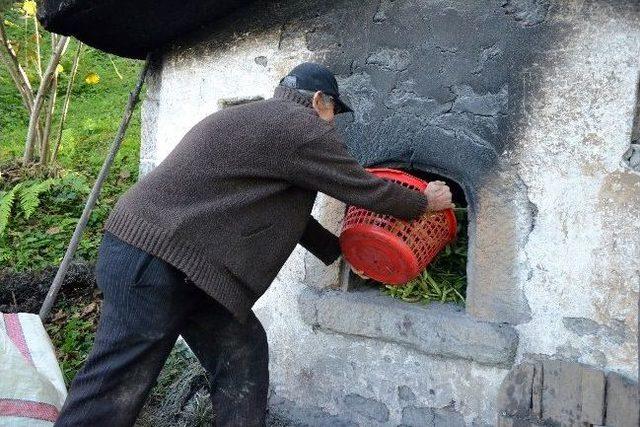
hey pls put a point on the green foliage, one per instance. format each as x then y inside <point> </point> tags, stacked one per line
<point>175,366</point>
<point>445,287</point>
<point>72,339</point>
<point>6,205</point>
<point>37,232</point>
<point>95,109</point>
<point>30,196</point>
<point>36,238</point>
<point>39,209</point>
<point>179,397</point>
<point>445,279</point>
<point>5,4</point>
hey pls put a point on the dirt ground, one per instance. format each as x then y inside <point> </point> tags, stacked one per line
<point>25,291</point>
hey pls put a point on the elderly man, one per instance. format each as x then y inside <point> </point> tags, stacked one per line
<point>190,248</point>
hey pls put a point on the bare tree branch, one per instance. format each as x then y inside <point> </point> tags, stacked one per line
<point>51,105</point>
<point>48,113</point>
<point>115,68</point>
<point>15,76</point>
<point>36,27</point>
<point>17,73</point>
<point>45,84</point>
<point>67,100</point>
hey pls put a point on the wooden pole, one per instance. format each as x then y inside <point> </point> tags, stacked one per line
<point>93,197</point>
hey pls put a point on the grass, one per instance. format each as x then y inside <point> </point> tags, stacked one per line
<point>93,118</point>
<point>72,331</point>
<point>445,279</point>
<point>181,394</point>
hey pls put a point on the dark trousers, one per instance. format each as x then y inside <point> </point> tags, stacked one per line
<point>147,304</point>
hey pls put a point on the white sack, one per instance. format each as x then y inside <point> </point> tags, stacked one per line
<point>32,389</point>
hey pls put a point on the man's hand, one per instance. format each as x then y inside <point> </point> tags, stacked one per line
<point>438,196</point>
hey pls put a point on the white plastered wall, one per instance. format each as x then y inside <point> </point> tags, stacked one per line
<point>582,253</point>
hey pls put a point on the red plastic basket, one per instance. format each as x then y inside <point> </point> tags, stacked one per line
<point>390,250</point>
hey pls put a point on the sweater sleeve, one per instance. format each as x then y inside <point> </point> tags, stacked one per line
<point>325,165</point>
<point>322,243</point>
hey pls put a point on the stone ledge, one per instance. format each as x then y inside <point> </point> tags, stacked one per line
<point>438,330</point>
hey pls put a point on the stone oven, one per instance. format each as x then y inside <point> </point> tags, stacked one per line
<point>529,107</point>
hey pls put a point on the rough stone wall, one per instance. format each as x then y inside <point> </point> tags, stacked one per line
<point>528,104</point>
<point>529,396</point>
<point>582,253</point>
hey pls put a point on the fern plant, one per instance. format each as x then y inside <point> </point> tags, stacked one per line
<point>30,196</point>
<point>6,205</point>
<point>27,195</point>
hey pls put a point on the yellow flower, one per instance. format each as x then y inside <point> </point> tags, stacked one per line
<point>59,69</point>
<point>92,79</point>
<point>29,7</point>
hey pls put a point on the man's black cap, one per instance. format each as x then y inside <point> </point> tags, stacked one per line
<point>314,77</point>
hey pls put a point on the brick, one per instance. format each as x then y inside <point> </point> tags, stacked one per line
<point>593,388</point>
<point>623,409</point>
<point>572,393</point>
<point>514,398</point>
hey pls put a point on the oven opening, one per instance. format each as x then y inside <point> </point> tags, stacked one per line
<point>445,277</point>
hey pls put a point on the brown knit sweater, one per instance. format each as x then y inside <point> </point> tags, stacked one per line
<point>229,204</point>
